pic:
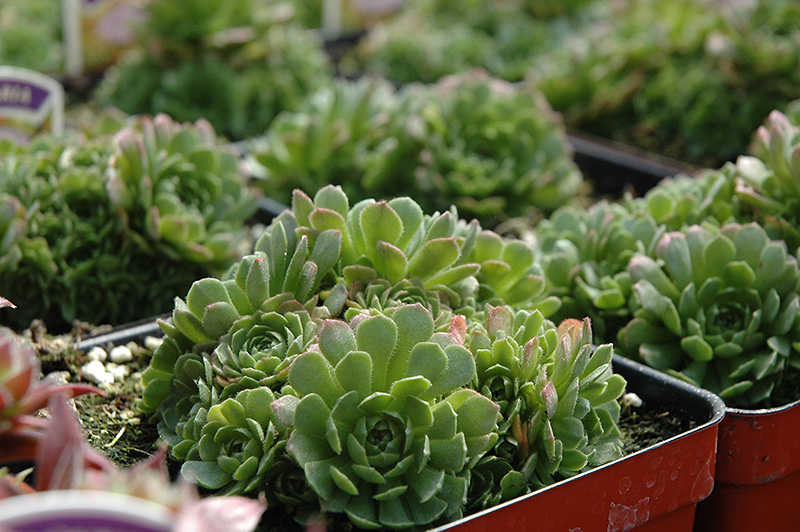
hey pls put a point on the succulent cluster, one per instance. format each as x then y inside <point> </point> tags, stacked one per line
<point>237,64</point>
<point>676,77</point>
<point>106,229</point>
<point>493,150</point>
<point>352,365</point>
<point>720,309</point>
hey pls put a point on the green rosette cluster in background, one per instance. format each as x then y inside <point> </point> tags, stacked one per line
<point>495,151</point>
<point>235,63</point>
<point>351,366</point>
<point>685,79</point>
<point>30,35</point>
<point>107,229</point>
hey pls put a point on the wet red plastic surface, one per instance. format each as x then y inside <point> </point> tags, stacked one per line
<point>640,492</point>
<point>758,473</point>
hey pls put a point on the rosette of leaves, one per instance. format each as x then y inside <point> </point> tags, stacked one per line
<point>326,141</point>
<point>494,150</point>
<point>212,307</point>
<point>236,444</point>
<point>390,240</point>
<point>381,423</point>
<point>585,254</point>
<point>115,226</point>
<point>558,402</point>
<point>509,274</point>
<point>719,308</point>
<point>181,189</point>
<point>237,64</point>
<point>259,349</point>
<point>769,180</point>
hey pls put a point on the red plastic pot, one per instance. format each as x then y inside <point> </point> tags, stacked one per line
<point>655,489</point>
<point>758,473</point>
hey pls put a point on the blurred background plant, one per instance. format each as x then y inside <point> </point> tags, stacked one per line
<point>108,229</point>
<point>30,35</point>
<point>496,152</point>
<point>235,63</point>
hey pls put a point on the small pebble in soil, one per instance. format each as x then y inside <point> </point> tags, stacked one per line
<point>152,343</point>
<point>95,372</point>
<point>97,353</point>
<point>121,354</point>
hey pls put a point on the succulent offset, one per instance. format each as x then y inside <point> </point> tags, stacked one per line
<point>558,401</point>
<point>720,309</point>
<point>381,424</point>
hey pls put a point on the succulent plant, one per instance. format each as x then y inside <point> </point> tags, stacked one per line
<point>236,444</point>
<point>769,179</point>
<point>585,254</point>
<point>380,422</point>
<point>181,189</point>
<point>719,308</point>
<point>494,150</point>
<point>259,349</point>
<point>237,64</point>
<point>108,229</point>
<point>509,274</point>
<point>390,240</point>
<point>683,200</point>
<point>22,394</point>
<point>452,144</point>
<point>328,140</point>
<point>558,401</point>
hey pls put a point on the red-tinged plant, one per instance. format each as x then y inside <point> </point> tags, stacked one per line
<point>22,394</point>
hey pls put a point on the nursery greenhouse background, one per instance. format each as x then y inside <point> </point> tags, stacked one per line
<point>399,264</point>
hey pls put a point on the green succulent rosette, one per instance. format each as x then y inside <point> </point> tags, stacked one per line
<point>558,402</point>
<point>719,308</point>
<point>510,275</point>
<point>769,180</point>
<point>494,150</point>
<point>236,444</point>
<point>390,240</point>
<point>585,254</point>
<point>181,189</point>
<point>684,200</point>
<point>259,349</point>
<point>380,295</point>
<point>114,225</point>
<point>380,422</point>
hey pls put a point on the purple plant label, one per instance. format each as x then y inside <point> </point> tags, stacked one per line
<point>22,94</point>
<point>83,511</point>
<point>28,99</point>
